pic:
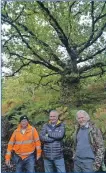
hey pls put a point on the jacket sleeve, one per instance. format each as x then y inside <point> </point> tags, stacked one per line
<point>74,143</point>
<point>37,143</point>
<point>99,154</point>
<point>59,134</point>
<point>44,135</point>
<point>10,146</point>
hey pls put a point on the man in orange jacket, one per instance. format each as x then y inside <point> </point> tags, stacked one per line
<point>23,142</point>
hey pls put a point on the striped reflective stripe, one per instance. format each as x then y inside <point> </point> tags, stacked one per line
<point>8,152</point>
<point>22,154</point>
<point>11,143</point>
<point>35,140</point>
<point>38,147</point>
<point>24,142</point>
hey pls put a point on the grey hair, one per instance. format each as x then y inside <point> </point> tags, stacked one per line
<point>84,113</point>
<point>55,112</point>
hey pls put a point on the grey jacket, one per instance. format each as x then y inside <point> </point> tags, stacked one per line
<point>52,138</point>
<point>96,141</point>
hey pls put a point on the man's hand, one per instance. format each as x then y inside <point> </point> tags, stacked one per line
<point>7,162</point>
<point>96,167</point>
<point>73,156</point>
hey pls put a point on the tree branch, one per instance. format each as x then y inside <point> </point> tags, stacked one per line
<point>98,34</point>
<point>92,30</point>
<point>69,12</point>
<point>89,43</point>
<point>18,70</point>
<point>12,36</point>
<point>72,53</point>
<point>93,75</point>
<point>19,15</point>
<point>71,5</point>
<point>50,74</point>
<point>45,63</point>
<point>46,47</point>
<point>93,39</point>
<point>33,61</point>
<point>100,15</point>
<point>92,56</point>
<point>89,67</point>
<point>37,85</point>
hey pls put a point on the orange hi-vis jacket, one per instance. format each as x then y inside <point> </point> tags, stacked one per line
<point>24,144</point>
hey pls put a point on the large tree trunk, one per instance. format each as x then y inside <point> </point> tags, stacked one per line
<point>70,92</point>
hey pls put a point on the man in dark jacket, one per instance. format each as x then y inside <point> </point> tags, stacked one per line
<point>52,135</point>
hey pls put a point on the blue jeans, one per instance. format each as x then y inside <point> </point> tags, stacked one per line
<point>83,166</point>
<point>25,165</point>
<point>59,164</point>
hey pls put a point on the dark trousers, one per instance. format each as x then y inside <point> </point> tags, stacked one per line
<point>25,165</point>
<point>59,164</point>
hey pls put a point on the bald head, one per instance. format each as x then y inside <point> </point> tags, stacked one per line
<point>53,116</point>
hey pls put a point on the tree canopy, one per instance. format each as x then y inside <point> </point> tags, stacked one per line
<point>69,38</point>
<point>56,56</point>
<point>54,50</point>
<point>60,43</point>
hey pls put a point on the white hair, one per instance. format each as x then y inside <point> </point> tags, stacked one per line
<point>84,113</point>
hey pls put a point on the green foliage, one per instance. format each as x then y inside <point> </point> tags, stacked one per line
<point>56,68</point>
<point>30,86</point>
<point>58,36</point>
<point>99,118</point>
<point>25,95</point>
<point>30,94</point>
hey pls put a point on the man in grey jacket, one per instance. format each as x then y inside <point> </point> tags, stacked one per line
<point>89,145</point>
<point>52,135</point>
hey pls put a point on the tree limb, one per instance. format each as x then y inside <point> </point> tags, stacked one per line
<point>89,42</point>
<point>19,15</point>
<point>100,15</point>
<point>50,74</point>
<point>18,70</point>
<point>92,56</point>
<point>45,63</point>
<point>72,53</point>
<point>46,47</point>
<point>93,75</point>
<point>89,67</point>
<point>93,39</point>
<point>71,5</point>
<point>92,30</point>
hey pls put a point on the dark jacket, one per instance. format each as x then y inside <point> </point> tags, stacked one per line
<point>52,138</point>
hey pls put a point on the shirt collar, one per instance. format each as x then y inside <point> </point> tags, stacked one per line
<point>86,126</point>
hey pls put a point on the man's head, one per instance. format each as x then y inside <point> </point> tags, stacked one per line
<point>82,117</point>
<point>53,116</point>
<point>24,121</point>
